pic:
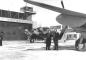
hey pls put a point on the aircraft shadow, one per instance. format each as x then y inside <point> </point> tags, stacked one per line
<point>60,48</point>
<point>66,48</point>
<point>52,49</point>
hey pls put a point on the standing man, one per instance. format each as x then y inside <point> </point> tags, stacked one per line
<point>48,41</point>
<point>1,37</point>
<point>55,40</point>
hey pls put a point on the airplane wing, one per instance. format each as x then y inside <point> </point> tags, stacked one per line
<point>56,9</point>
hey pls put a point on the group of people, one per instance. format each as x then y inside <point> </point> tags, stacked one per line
<point>56,36</point>
<point>50,35</point>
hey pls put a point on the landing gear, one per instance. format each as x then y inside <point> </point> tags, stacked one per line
<point>79,46</point>
<point>31,40</point>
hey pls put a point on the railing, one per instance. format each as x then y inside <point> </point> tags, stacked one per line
<point>15,15</point>
<point>15,20</point>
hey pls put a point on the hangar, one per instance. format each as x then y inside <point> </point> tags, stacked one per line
<point>13,23</point>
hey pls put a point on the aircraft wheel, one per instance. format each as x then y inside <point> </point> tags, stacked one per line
<point>31,41</point>
<point>79,46</point>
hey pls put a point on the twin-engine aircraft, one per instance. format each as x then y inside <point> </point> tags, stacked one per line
<point>76,20</point>
<point>67,17</point>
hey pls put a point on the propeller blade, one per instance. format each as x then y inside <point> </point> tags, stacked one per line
<point>62,4</point>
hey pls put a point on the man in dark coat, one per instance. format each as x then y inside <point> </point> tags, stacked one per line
<point>48,41</point>
<point>55,40</point>
<point>1,37</point>
<point>57,36</point>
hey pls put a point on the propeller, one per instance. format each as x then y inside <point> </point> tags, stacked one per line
<point>62,4</point>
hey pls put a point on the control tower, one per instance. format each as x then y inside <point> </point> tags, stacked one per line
<point>14,23</point>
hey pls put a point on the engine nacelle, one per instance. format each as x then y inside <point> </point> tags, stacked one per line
<point>69,20</point>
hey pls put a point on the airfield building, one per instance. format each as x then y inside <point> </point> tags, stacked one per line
<point>13,23</point>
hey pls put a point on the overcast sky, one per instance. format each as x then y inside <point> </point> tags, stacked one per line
<point>45,17</point>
